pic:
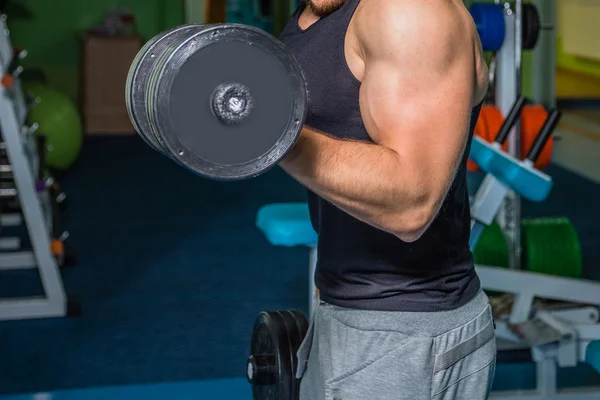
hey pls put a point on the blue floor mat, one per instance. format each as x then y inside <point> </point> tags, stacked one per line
<point>220,389</point>
<point>509,377</point>
<point>172,272</point>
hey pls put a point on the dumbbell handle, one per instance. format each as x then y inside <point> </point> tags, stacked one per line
<point>28,131</point>
<point>545,133</point>
<point>510,120</point>
<point>17,71</point>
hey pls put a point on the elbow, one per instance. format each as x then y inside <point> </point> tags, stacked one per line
<point>412,224</point>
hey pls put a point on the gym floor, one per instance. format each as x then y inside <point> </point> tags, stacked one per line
<point>172,271</point>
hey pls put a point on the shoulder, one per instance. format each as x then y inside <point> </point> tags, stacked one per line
<point>432,28</point>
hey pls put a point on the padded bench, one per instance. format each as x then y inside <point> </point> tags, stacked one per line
<point>288,224</point>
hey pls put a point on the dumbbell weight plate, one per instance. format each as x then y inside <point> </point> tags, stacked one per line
<point>139,75</point>
<point>489,21</point>
<point>295,336</point>
<point>301,322</point>
<point>270,368</point>
<point>531,26</point>
<point>227,102</point>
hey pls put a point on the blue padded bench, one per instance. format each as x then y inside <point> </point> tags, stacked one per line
<point>288,224</point>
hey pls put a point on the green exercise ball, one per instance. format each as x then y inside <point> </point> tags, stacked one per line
<point>59,123</point>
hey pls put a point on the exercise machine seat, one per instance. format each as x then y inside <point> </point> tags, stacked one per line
<point>525,180</point>
<point>286,224</point>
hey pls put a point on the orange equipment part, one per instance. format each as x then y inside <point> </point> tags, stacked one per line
<point>7,81</point>
<point>57,247</point>
<point>488,125</point>
<point>532,119</point>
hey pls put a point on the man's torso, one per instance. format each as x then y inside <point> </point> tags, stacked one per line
<point>360,266</point>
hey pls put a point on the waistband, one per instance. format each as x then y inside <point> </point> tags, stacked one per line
<point>409,323</point>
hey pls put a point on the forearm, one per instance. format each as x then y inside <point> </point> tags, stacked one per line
<point>365,180</point>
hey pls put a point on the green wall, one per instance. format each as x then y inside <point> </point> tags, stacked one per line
<point>53,35</point>
<point>576,64</point>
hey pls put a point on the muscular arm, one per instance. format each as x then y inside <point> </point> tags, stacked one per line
<point>416,95</point>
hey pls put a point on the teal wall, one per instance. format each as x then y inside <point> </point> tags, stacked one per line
<point>53,35</point>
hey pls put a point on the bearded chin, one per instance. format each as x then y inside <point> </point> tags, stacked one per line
<point>323,8</point>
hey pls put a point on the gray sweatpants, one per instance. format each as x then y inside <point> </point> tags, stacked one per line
<point>376,355</point>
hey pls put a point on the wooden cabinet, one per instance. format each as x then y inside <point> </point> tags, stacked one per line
<point>106,62</point>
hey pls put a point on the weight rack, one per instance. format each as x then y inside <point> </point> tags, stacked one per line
<point>556,337</point>
<point>21,189</point>
<point>507,67</point>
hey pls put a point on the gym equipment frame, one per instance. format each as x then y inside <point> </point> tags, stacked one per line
<point>12,118</point>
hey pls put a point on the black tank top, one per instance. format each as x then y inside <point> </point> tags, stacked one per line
<point>360,266</point>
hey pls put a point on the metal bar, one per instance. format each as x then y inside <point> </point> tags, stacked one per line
<point>17,261</point>
<point>6,49</point>
<point>515,215</point>
<point>506,95</point>
<point>10,220</point>
<point>31,307</point>
<point>9,243</point>
<point>544,56</point>
<point>8,192</point>
<point>540,285</point>
<point>546,378</point>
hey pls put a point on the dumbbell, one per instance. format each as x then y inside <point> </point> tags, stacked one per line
<point>489,21</point>
<point>271,366</point>
<point>226,102</point>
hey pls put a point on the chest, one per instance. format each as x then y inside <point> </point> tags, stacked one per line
<point>333,91</point>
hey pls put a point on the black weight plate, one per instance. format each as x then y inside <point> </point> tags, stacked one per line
<point>302,326</point>
<point>137,82</point>
<point>301,321</point>
<point>184,94</point>
<point>138,78</point>
<point>531,26</point>
<point>295,339</point>
<point>270,340</point>
<point>287,381</point>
